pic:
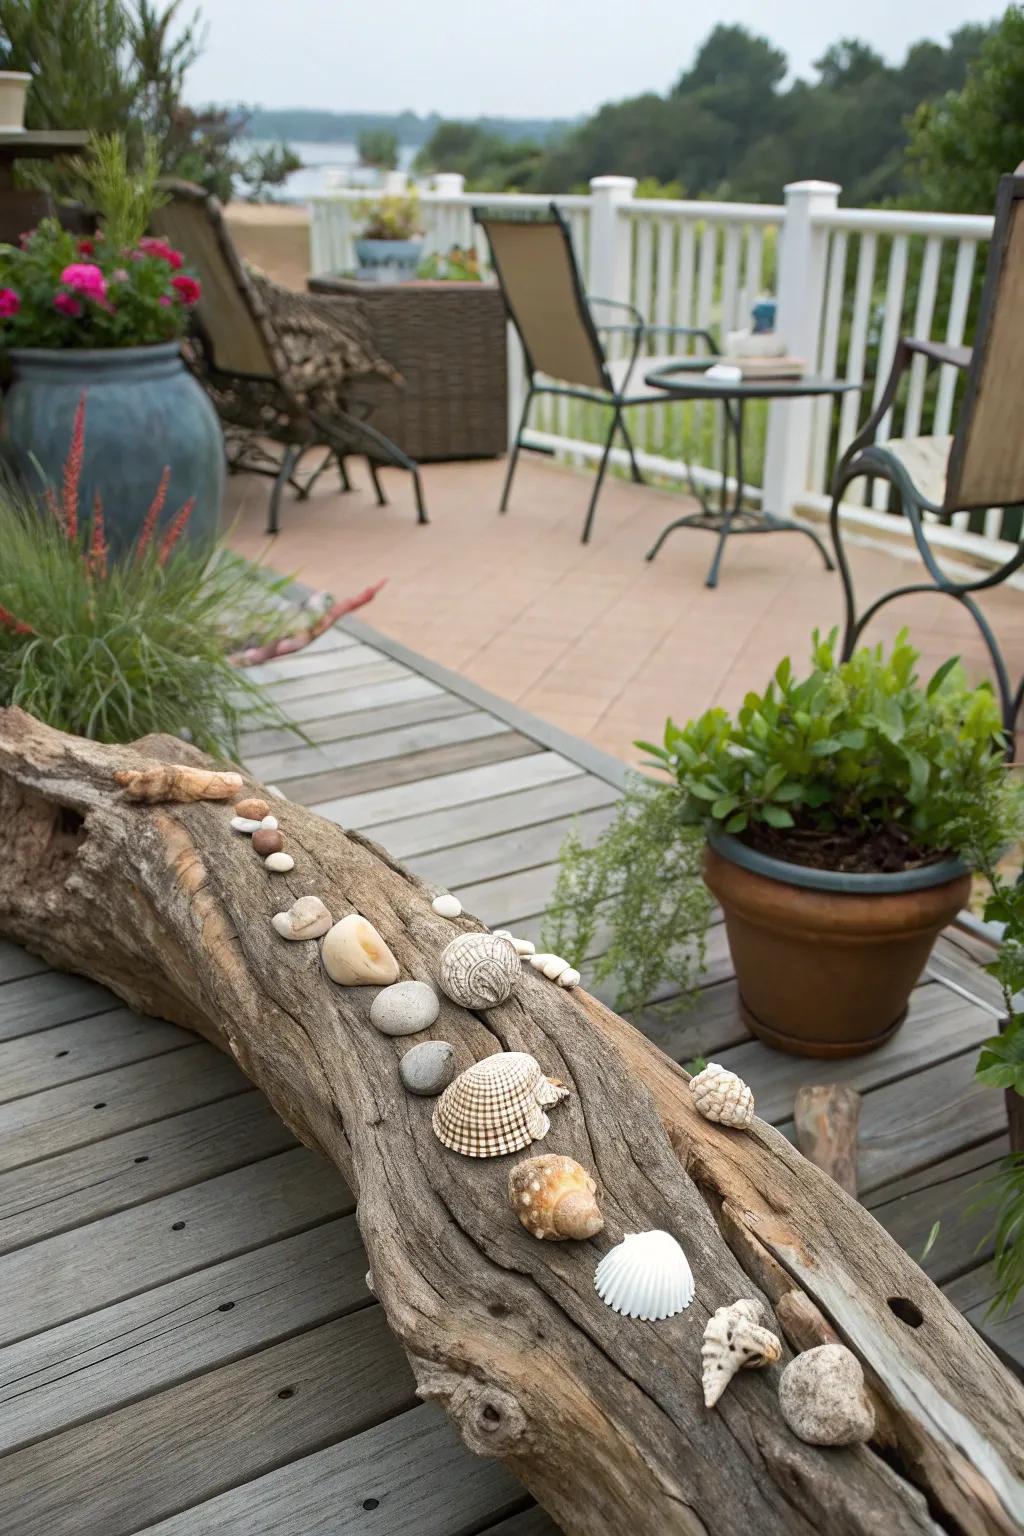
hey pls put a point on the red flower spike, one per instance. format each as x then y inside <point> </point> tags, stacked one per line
<point>176,530</point>
<point>8,621</point>
<point>153,515</point>
<point>98,540</point>
<point>73,470</point>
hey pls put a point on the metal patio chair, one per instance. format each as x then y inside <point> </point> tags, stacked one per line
<point>277,365</point>
<point>980,466</point>
<point>544,295</point>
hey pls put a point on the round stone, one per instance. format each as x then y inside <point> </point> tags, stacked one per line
<point>428,1068</point>
<point>405,1008</point>
<point>447,905</point>
<point>253,809</point>
<point>279,863</point>
<point>268,840</point>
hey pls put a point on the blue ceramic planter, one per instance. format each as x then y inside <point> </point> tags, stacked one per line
<point>143,410</point>
<point>391,260</point>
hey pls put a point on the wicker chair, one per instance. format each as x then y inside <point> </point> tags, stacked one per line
<point>536,267</point>
<point>980,466</point>
<point>278,365</point>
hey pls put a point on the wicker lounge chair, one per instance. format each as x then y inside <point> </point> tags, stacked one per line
<point>980,466</point>
<point>544,295</point>
<point>278,365</point>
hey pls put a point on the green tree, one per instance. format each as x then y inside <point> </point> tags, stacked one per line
<point>378,147</point>
<point>961,144</point>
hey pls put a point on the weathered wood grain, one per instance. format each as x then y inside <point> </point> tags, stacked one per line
<point>409,1477</point>
<point>381,745</point>
<point>388,685</point>
<point>71,1188</point>
<point>35,1062</point>
<point>42,1001</point>
<point>494,858</point>
<point>63,1276</point>
<point>825,1118</point>
<point>707,1028</point>
<point>417,768</point>
<point>313,698</point>
<point>447,790</point>
<point>275,740</point>
<point>16,962</point>
<point>173,1332</point>
<point>451,826</point>
<point>532,1522</point>
<point>79,1113</point>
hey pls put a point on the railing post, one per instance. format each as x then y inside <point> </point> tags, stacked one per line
<point>803,249</point>
<point>608,276</point>
<point>449,183</point>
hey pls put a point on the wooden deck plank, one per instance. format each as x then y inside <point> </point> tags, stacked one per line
<point>16,962</point>
<point>532,1522</point>
<point>707,1028</point>
<point>301,665</point>
<point>418,768</point>
<point>973,1294</point>
<point>354,669</point>
<point>60,1278</point>
<point>361,722</point>
<point>71,1188</point>
<point>947,1195</point>
<point>410,1476</point>
<point>158,1456</point>
<point>33,1063</point>
<point>290,763</point>
<point>448,790</point>
<point>48,998</point>
<point>491,858</point>
<point>957,966</point>
<point>174,1332</point>
<point>83,1112</point>
<point>389,685</point>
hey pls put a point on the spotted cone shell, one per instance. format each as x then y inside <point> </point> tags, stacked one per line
<point>479,970</point>
<point>735,1339</point>
<point>720,1095</point>
<point>496,1106</point>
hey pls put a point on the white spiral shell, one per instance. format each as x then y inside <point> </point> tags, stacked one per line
<point>479,970</point>
<point>645,1276</point>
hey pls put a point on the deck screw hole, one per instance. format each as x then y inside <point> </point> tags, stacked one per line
<point>906,1311</point>
<point>285,1393</point>
<point>58,1054</point>
<point>101,1105</point>
<point>143,1159</point>
<point>226,1306</point>
<point>371,1503</point>
<point>177,1226</point>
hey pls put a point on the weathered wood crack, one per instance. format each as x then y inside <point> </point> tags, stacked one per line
<point>601,1417</point>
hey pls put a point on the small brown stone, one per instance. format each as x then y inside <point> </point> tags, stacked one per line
<point>267,840</point>
<point>253,810</point>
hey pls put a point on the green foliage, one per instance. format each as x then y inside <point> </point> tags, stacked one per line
<point>114,653</point>
<point>455,266</point>
<point>964,141</point>
<point>378,147</point>
<point>643,879</point>
<point>267,168</point>
<point>855,746</point>
<point>123,199</point>
<point>393,217</point>
<point>490,161</point>
<point>1006,1193</point>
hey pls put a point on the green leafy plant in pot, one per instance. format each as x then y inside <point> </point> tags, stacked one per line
<point>840,811</point>
<point>390,245</point>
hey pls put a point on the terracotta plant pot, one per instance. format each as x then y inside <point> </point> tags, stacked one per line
<point>826,962</point>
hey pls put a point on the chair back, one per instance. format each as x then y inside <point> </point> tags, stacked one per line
<point>540,281</point>
<point>986,463</point>
<point>229,314</point>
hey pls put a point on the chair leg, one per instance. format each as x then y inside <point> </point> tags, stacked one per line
<point>421,506</point>
<point>346,483</point>
<point>851,629</point>
<point>514,456</point>
<point>303,489</point>
<point>634,467</point>
<point>289,460</point>
<point>601,468</point>
<point>382,500</point>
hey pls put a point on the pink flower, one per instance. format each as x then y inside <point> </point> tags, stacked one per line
<point>67,305</point>
<point>187,289</point>
<point>149,245</point>
<point>85,278</point>
<point>9,302</point>
<point>119,275</point>
<point>86,247</point>
<point>164,301</point>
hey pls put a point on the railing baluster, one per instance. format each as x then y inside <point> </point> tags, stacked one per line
<point>826,360</point>
<point>892,329</point>
<point>963,276</point>
<point>923,314</point>
<point>730,277</point>
<point>855,356</point>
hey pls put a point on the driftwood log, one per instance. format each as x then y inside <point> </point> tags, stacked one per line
<point>601,1417</point>
<point>826,1117</point>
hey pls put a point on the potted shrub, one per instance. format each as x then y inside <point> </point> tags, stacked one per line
<point>842,813</point>
<point>103,318</point>
<point>390,245</point>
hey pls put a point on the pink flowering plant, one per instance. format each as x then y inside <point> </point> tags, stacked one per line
<point>59,291</point>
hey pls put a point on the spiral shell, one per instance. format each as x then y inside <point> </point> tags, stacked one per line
<point>554,1198</point>
<point>720,1095</point>
<point>735,1339</point>
<point>645,1276</point>
<point>496,1106</point>
<point>479,970</point>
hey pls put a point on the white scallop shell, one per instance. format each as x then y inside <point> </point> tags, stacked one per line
<point>496,1106</point>
<point>479,970</point>
<point>645,1276</point>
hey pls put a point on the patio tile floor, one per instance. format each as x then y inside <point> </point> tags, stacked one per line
<point>591,638</point>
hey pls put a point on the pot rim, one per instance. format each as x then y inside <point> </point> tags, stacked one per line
<point>785,873</point>
<point>61,356</point>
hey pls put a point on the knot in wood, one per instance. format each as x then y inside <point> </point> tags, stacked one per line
<point>490,1420</point>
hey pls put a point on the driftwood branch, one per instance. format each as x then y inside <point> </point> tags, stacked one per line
<point>602,1418</point>
<point>826,1117</point>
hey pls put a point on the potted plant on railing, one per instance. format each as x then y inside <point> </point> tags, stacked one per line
<point>840,813</point>
<point>103,318</point>
<point>390,244</point>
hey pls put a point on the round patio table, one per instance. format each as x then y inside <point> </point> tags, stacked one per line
<point>688,381</point>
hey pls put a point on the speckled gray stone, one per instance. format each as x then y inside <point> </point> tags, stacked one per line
<point>822,1397</point>
<point>405,1008</point>
<point>428,1068</point>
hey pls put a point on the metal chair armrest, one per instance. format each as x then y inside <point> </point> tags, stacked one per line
<point>940,352</point>
<point>683,330</point>
<point>907,349</point>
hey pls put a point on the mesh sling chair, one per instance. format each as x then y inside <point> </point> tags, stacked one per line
<point>544,296</point>
<point>980,467</point>
<point>277,365</point>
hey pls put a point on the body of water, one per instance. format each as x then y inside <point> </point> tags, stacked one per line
<point>327,166</point>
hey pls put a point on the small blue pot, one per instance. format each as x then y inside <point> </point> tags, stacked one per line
<point>391,259</point>
<point>143,410</point>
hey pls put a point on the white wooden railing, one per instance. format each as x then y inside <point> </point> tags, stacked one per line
<point>849,283</point>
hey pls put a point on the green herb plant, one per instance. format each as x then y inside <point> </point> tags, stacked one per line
<point>395,216</point>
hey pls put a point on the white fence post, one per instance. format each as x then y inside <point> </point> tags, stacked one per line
<point>449,183</point>
<point>609,274</point>
<point>801,288</point>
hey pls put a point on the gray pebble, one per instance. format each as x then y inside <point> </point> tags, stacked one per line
<point>428,1068</point>
<point>405,1008</point>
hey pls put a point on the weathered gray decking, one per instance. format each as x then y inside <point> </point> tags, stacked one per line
<point>187,1344</point>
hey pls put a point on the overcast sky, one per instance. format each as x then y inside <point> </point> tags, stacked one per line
<point>516,58</point>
